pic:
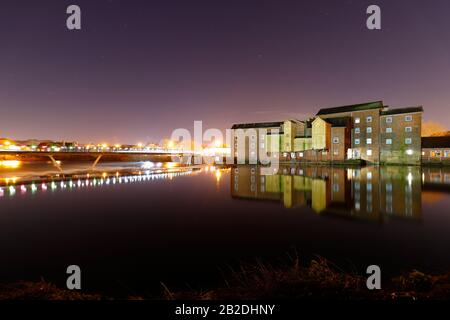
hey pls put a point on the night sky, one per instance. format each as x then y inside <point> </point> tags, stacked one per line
<point>139,69</point>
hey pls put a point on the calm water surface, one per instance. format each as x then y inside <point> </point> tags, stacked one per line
<point>129,230</point>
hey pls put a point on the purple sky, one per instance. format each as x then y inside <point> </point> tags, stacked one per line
<point>139,69</point>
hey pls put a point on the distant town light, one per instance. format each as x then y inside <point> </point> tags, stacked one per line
<point>147,165</point>
<point>12,164</point>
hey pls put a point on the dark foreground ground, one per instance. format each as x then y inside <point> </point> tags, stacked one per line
<point>319,280</point>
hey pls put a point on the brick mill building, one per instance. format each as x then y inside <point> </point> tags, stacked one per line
<point>370,131</point>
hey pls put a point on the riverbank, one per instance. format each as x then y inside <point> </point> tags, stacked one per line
<point>87,156</point>
<point>319,280</point>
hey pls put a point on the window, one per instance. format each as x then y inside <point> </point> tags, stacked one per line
<point>369,152</point>
<point>357,120</point>
<point>388,141</point>
<point>263,137</point>
<point>335,140</point>
<point>262,145</point>
<point>436,153</point>
<point>369,129</point>
<point>388,130</point>
<point>368,119</point>
<point>408,129</point>
<point>336,152</point>
<point>369,140</point>
<point>253,145</point>
<point>446,153</point>
<point>408,118</point>
<point>356,141</point>
<point>301,154</point>
<point>389,120</point>
<point>408,141</point>
<point>409,152</point>
<point>357,130</point>
<point>389,187</point>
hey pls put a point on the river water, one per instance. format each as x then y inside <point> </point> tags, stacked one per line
<point>131,228</point>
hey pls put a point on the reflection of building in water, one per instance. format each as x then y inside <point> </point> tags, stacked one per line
<point>432,176</point>
<point>368,193</point>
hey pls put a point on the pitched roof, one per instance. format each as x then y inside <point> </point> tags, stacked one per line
<point>350,108</point>
<point>436,142</point>
<point>339,121</point>
<point>257,125</point>
<point>402,110</point>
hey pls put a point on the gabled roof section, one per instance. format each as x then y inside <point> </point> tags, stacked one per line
<point>402,110</point>
<point>339,121</point>
<point>257,125</point>
<point>350,108</point>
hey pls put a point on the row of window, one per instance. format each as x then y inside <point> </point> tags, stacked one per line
<point>438,153</point>
<point>388,130</point>
<point>388,141</point>
<point>409,152</point>
<point>408,118</point>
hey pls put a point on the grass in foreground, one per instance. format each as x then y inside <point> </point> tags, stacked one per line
<point>319,280</point>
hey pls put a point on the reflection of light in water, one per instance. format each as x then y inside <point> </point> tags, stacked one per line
<point>170,165</point>
<point>218,175</point>
<point>409,178</point>
<point>94,182</point>
<point>11,180</point>
<point>147,165</point>
<point>11,164</point>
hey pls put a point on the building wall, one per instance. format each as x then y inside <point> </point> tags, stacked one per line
<point>321,133</point>
<point>256,140</point>
<point>436,155</point>
<point>363,150</point>
<point>399,151</point>
<point>302,144</point>
<point>274,148</point>
<point>365,143</point>
<point>338,150</point>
